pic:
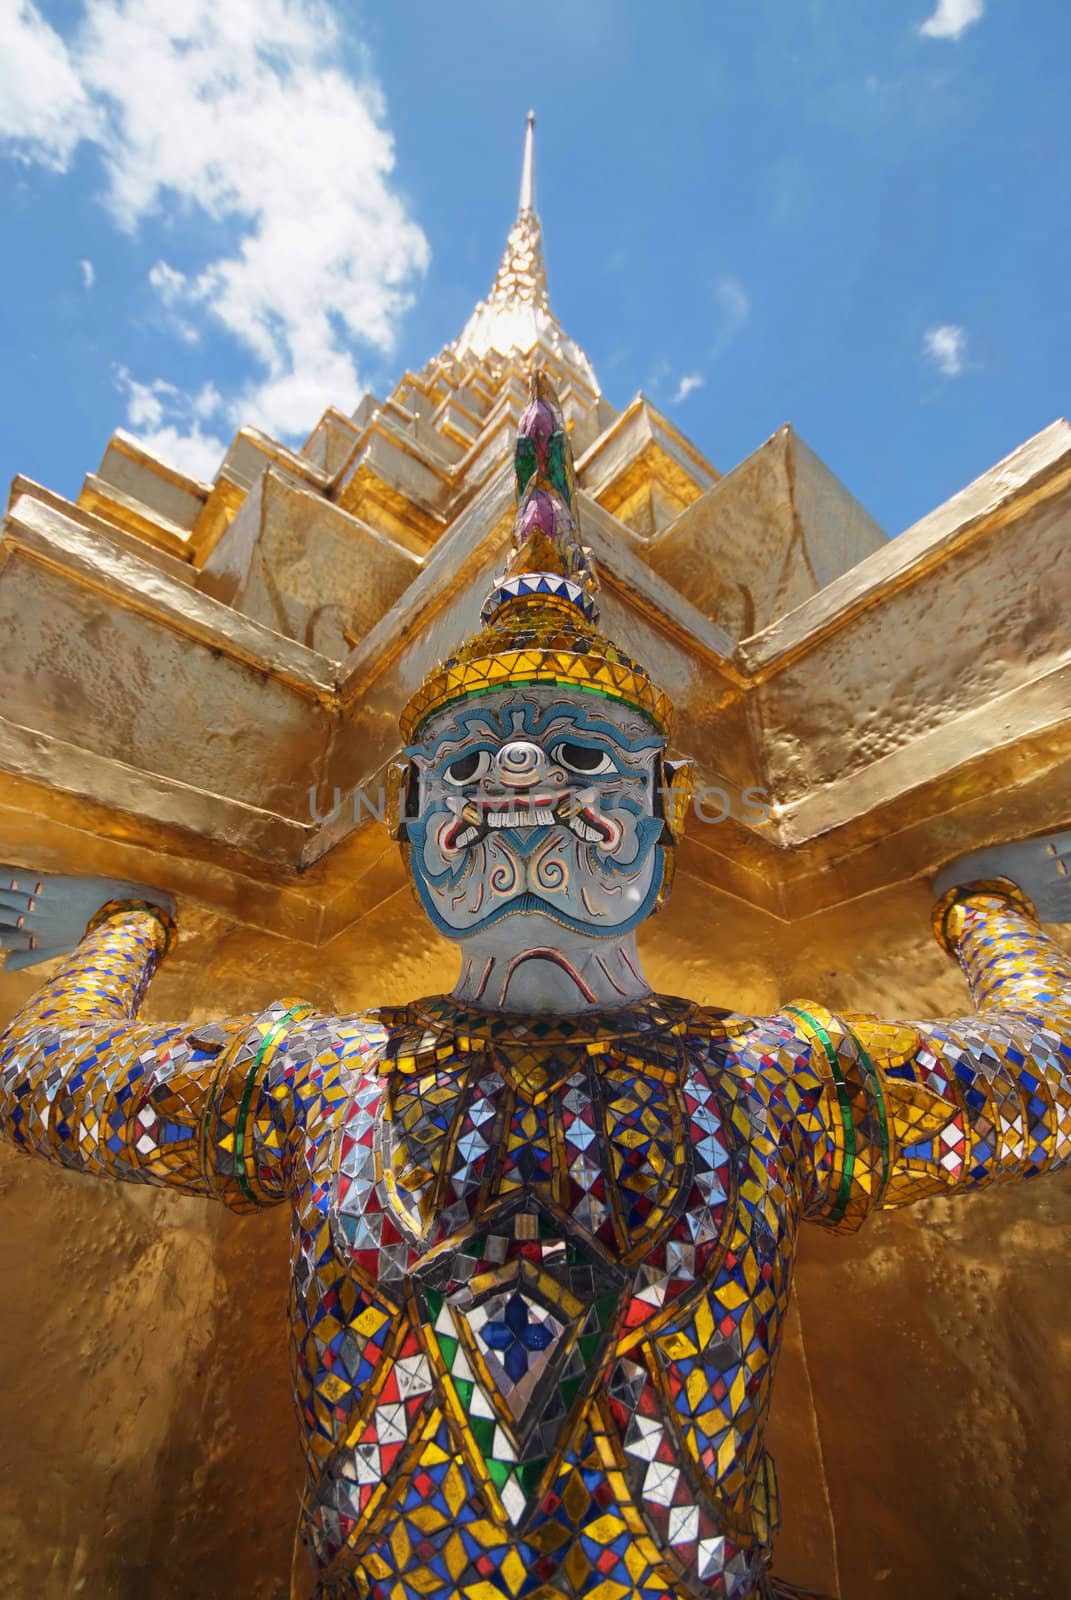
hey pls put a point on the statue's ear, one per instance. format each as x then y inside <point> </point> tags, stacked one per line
<point>675,796</point>
<point>403,796</point>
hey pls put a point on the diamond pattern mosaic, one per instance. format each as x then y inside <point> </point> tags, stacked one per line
<point>541,1267</point>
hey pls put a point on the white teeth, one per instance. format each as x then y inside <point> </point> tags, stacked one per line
<point>466,837</point>
<point>584,831</point>
<point>521,819</point>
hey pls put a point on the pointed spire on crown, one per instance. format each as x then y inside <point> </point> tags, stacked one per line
<point>539,619</point>
<point>546,540</point>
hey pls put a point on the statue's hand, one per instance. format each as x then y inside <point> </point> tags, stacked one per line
<point>1040,867</point>
<point>45,915</point>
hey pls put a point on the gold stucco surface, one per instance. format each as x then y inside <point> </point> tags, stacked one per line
<point>147,1448</point>
<point>184,661</point>
<point>914,708</point>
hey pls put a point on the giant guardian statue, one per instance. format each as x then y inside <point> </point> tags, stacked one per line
<point>543,1226</point>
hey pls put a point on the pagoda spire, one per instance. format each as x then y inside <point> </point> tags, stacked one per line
<point>522,272</point>
<point>527,200</point>
<point>516,316</point>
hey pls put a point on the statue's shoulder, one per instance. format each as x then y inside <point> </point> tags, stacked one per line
<point>365,1040</point>
<point>722,1028</point>
<point>391,1037</point>
<point>850,1036</point>
<point>740,1046</point>
<point>381,1021</point>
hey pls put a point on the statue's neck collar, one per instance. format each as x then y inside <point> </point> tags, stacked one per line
<point>505,1029</point>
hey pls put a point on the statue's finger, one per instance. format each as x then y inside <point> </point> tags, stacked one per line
<point>52,891</point>
<point>51,927</point>
<point>13,896</point>
<point>37,908</point>
<point>17,959</point>
<point>20,883</point>
<point>57,891</point>
<point>14,938</point>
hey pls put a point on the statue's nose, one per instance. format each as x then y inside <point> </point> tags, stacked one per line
<point>519,762</point>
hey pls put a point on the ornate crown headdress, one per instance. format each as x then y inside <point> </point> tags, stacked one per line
<point>539,619</point>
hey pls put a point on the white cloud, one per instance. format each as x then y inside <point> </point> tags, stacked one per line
<point>168,421</point>
<point>169,284</point>
<point>952,18</point>
<point>242,112</point>
<point>688,385</point>
<point>946,347</point>
<point>89,273</point>
<point>207,402</point>
<point>187,448</point>
<point>734,304</point>
<point>733,299</point>
<point>145,401</point>
<point>45,111</point>
<point>658,375</point>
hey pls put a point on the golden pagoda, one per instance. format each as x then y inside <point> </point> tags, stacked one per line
<point>201,685</point>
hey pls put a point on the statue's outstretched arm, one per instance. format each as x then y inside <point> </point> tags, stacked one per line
<point>920,1108</point>
<point>83,1083</point>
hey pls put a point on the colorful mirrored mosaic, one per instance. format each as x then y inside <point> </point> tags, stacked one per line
<point>541,1267</point>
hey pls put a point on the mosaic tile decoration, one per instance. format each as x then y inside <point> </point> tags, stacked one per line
<point>541,1267</point>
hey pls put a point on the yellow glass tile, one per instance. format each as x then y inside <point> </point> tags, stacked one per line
<point>608,1589</point>
<point>333,1388</point>
<point>400,1545</point>
<point>513,1571</point>
<point>369,1322</point>
<point>455,1556</point>
<point>677,1346</point>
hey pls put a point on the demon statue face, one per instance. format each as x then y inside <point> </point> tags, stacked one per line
<point>537,801</point>
<point>539,812</point>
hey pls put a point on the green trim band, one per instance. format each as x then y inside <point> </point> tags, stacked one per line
<point>840,1205</point>
<point>247,1094</point>
<point>879,1094</point>
<point>210,1112</point>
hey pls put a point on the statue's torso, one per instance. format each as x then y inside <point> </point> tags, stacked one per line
<point>537,1291</point>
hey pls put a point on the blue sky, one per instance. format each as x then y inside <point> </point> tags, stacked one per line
<point>847,214</point>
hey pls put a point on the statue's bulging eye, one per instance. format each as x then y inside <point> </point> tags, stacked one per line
<point>467,769</point>
<point>584,758</point>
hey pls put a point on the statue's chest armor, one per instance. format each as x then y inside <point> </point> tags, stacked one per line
<point>616,1151</point>
<point>529,1213</point>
